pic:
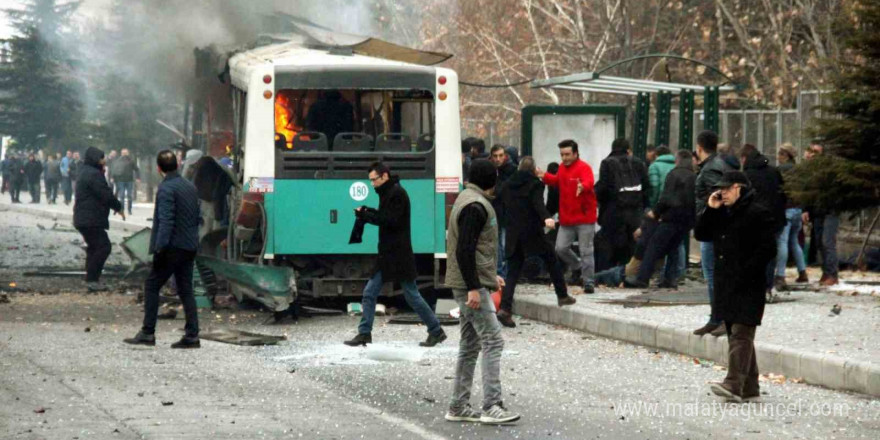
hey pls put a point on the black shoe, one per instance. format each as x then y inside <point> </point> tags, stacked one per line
<point>506,319</point>
<point>708,328</point>
<point>589,288</point>
<point>434,339</point>
<point>566,300</point>
<point>141,339</point>
<point>665,284</point>
<point>721,330</point>
<point>361,339</point>
<point>187,342</point>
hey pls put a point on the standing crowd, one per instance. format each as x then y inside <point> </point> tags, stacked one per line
<point>61,172</point>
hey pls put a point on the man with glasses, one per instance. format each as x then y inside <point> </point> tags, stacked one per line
<point>397,263</point>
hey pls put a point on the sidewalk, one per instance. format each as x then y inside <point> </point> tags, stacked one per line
<point>801,339</point>
<point>63,214</point>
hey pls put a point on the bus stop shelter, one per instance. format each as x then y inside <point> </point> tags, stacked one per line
<point>597,82</point>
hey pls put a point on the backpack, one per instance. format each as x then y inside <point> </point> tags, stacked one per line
<point>628,188</point>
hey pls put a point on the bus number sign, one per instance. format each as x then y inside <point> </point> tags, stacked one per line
<point>359,191</point>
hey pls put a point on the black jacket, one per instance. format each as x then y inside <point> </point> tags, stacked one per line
<point>710,173</point>
<point>677,203</point>
<point>124,170</point>
<point>176,215</point>
<point>33,169</point>
<point>53,170</point>
<point>505,172</point>
<point>745,243</point>
<point>396,259</point>
<point>94,198</point>
<point>16,170</point>
<point>523,199</point>
<point>767,183</point>
<point>612,174</point>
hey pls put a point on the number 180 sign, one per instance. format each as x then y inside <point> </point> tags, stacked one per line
<point>359,191</point>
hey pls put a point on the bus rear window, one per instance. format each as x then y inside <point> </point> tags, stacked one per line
<point>354,120</point>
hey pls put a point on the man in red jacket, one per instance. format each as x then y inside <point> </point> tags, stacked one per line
<point>577,213</point>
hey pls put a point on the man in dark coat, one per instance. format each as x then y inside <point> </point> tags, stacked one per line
<point>33,169</point>
<point>506,169</point>
<point>125,172</point>
<point>6,174</point>
<point>522,198</point>
<point>622,192</point>
<point>17,178</point>
<point>93,202</point>
<point>675,213</point>
<point>396,261</point>
<point>173,242</point>
<point>743,233</point>
<point>53,178</point>
<point>712,167</point>
<point>768,185</point>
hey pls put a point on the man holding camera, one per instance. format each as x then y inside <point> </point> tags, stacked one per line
<point>743,235</point>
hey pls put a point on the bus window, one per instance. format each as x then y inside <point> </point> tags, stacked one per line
<point>354,120</point>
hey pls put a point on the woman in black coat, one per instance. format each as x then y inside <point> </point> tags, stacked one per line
<point>522,198</point>
<point>743,233</point>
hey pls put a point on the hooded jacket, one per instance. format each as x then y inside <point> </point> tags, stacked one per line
<point>396,260</point>
<point>33,169</point>
<point>523,200</point>
<point>574,209</point>
<point>767,183</point>
<point>94,198</point>
<point>622,187</point>
<point>657,173</point>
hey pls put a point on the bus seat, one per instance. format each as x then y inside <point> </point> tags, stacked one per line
<point>394,142</point>
<point>425,142</point>
<point>310,141</point>
<point>355,142</point>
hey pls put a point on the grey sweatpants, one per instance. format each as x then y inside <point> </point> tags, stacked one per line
<point>584,235</point>
<point>480,332</point>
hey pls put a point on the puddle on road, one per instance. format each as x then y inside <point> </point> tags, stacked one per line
<point>328,354</point>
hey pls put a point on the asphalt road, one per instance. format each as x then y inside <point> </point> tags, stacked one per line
<point>59,381</point>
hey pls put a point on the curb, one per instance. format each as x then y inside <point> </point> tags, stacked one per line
<point>115,224</point>
<point>815,368</point>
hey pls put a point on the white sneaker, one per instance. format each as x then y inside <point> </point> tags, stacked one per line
<point>497,415</point>
<point>466,414</point>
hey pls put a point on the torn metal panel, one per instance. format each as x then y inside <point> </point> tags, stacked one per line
<point>238,337</point>
<point>271,286</point>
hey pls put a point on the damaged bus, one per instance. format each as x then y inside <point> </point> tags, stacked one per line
<point>308,121</point>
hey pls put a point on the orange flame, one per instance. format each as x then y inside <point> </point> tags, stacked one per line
<point>284,117</point>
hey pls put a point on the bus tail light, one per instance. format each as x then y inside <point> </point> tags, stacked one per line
<point>450,200</point>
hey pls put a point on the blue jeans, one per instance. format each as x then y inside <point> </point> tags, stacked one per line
<point>707,257</point>
<point>666,242</point>
<point>501,270</point>
<point>788,241</point>
<point>123,188</point>
<point>413,298</point>
<point>826,228</point>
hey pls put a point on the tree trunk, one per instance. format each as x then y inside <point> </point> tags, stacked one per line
<point>861,257</point>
